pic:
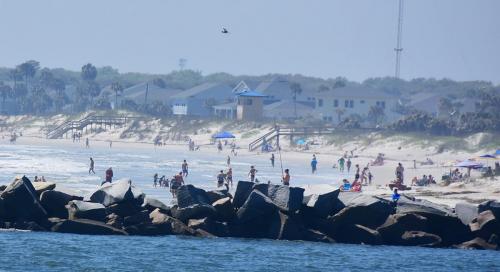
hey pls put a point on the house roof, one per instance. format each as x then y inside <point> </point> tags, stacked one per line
<point>203,88</point>
<point>355,92</point>
<point>250,93</point>
<point>138,92</point>
<point>230,105</point>
<point>277,87</point>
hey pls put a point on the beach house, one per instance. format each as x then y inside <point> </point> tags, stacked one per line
<point>337,104</point>
<point>249,105</point>
<point>200,100</point>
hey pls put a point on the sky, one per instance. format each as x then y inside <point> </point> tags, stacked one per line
<point>456,39</point>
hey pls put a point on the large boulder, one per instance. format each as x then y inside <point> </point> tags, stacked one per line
<point>362,210</point>
<point>211,226</point>
<point>124,209</point>
<point>86,226</point>
<point>420,206</point>
<point>466,212</point>
<point>255,216</point>
<point>225,209</point>
<point>152,204</point>
<point>420,238</point>
<point>243,190</point>
<point>41,187</point>
<point>195,211</point>
<point>20,202</point>
<point>485,224</point>
<point>288,199</point>
<point>477,243</point>
<point>149,229</point>
<point>138,218</point>
<point>114,220</point>
<point>312,235</point>
<point>215,195</point>
<point>117,192</point>
<point>322,205</point>
<point>188,195</point>
<point>357,234</point>
<point>78,209</point>
<point>397,224</point>
<point>286,228</point>
<point>491,205</point>
<point>177,227</point>
<point>55,203</point>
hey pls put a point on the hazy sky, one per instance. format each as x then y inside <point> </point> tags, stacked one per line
<point>458,39</point>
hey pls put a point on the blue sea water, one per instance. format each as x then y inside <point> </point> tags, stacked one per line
<point>33,251</point>
<point>68,166</point>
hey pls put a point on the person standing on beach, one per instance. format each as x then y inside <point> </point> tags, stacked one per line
<point>314,164</point>
<point>348,164</point>
<point>252,173</point>
<point>356,175</point>
<point>220,179</point>
<point>185,169</point>
<point>87,143</point>
<point>110,144</point>
<point>91,168</point>
<point>272,160</point>
<point>176,183</point>
<point>286,178</point>
<point>228,160</point>
<point>109,175</point>
<point>155,180</point>
<point>370,177</point>
<point>400,172</point>
<point>229,176</point>
<point>341,164</point>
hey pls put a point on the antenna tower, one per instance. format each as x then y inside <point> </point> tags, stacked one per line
<point>399,48</point>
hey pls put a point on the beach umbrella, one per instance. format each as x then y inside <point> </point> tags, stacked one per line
<point>487,156</point>
<point>498,152</point>
<point>223,135</point>
<point>469,164</point>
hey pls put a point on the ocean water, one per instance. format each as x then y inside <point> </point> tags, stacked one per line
<point>26,251</point>
<point>68,166</point>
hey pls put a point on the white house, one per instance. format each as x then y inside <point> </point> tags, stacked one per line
<point>337,104</point>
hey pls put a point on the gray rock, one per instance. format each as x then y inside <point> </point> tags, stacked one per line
<point>117,192</point>
<point>286,228</point>
<point>188,195</point>
<point>485,224</point>
<point>124,209</point>
<point>195,211</point>
<point>491,205</point>
<point>322,205</point>
<point>138,218</point>
<point>466,212</point>
<point>86,226</point>
<point>149,229</point>
<point>316,236</point>
<point>55,203</point>
<point>215,195</point>
<point>178,227</point>
<point>397,224</point>
<point>20,202</point>
<point>152,204</point>
<point>288,199</point>
<point>477,243</point>
<point>357,234</point>
<point>254,218</point>
<point>211,226</point>
<point>243,190</point>
<point>225,209</point>
<point>41,187</point>
<point>419,238</point>
<point>78,209</point>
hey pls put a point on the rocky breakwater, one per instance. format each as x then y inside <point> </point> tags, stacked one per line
<point>255,211</point>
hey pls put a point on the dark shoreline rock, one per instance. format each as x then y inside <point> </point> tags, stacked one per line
<point>256,211</point>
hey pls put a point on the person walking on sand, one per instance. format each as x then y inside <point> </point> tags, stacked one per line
<point>400,172</point>
<point>91,168</point>
<point>228,160</point>
<point>185,169</point>
<point>220,179</point>
<point>87,143</point>
<point>370,177</point>
<point>356,175</point>
<point>272,160</point>
<point>219,146</point>
<point>341,164</point>
<point>252,173</point>
<point>229,177</point>
<point>286,178</point>
<point>155,180</point>
<point>314,164</point>
<point>110,144</point>
<point>348,164</point>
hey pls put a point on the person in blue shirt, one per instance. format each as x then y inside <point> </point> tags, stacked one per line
<point>395,196</point>
<point>314,164</point>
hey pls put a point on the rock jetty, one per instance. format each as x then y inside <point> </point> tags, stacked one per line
<point>255,211</point>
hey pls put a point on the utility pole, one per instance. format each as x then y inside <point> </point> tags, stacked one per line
<point>399,48</point>
<point>146,94</point>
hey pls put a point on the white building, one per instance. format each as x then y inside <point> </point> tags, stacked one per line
<point>337,104</point>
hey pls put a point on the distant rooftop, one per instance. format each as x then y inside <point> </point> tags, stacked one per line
<point>251,94</point>
<point>356,92</point>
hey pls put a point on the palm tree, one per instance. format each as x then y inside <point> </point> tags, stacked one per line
<point>28,70</point>
<point>296,89</point>
<point>59,86</point>
<point>117,88</point>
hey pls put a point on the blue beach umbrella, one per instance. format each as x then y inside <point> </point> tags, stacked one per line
<point>469,164</point>
<point>223,135</point>
<point>488,156</point>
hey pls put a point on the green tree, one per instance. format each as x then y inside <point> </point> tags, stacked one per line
<point>118,89</point>
<point>296,90</point>
<point>5,91</point>
<point>28,70</point>
<point>60,98</point>
<point>89,72</point>
<point>376,115</point>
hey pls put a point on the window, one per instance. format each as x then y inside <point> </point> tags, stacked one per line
<point>362,102</point>
<point>346,103</point>
<point>351,104</point>
<point>336,103</point>
<point>380,104</point>
<point>248,102</point>
<point>320,102</point>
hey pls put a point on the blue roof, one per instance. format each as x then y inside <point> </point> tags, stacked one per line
<point>251,94</point>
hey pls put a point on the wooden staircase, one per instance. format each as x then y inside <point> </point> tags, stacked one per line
<point>277,131</point>
<point>91,120</point>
